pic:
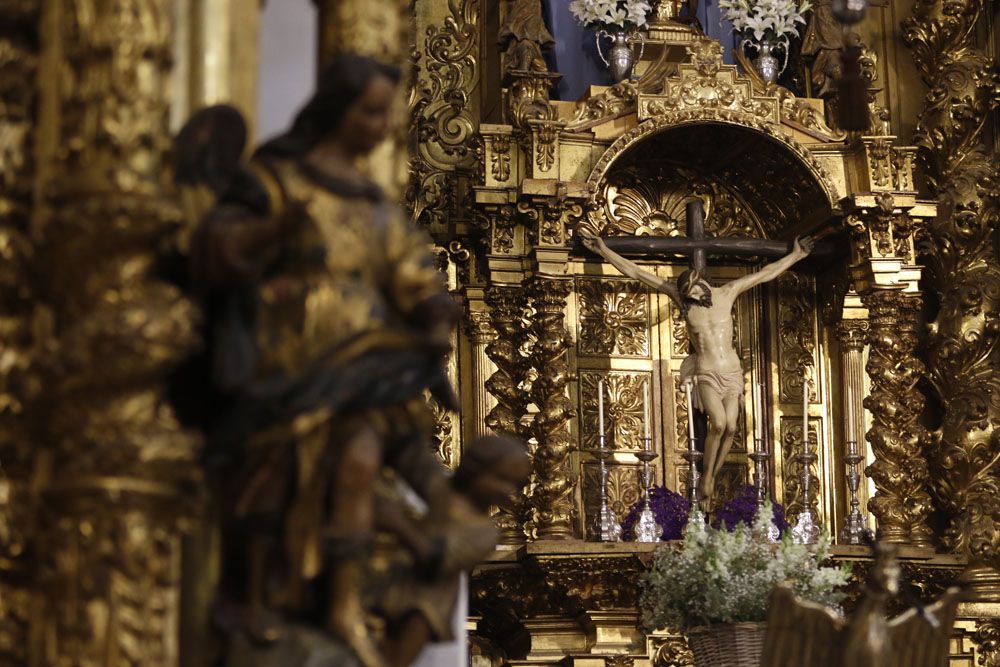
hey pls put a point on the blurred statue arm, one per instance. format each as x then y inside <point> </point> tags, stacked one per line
<point>242,236</point>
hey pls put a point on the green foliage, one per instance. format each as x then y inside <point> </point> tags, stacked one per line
<point>717,576</point>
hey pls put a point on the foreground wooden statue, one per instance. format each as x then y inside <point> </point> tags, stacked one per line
<point>804,633</point>
<point>326,323</point>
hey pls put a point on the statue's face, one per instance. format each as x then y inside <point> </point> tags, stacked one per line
<point>701,294</point>
<point>366,123</point>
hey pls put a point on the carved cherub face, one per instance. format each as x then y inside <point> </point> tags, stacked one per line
<point>366,123</point>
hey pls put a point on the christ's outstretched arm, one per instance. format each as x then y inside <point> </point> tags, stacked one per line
<point>596,245</point>
<point>802,248</point>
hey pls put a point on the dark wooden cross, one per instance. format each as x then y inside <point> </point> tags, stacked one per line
<point>696,246</point>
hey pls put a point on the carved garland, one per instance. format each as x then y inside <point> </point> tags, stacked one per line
<point>961,253</point>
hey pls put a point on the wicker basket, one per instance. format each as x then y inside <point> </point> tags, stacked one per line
<point>727,644</point>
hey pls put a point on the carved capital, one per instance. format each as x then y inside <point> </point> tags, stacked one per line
<point>479,327</point>
<point>852,334</point>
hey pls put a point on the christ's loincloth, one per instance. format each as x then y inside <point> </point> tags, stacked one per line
<point>724,384</point>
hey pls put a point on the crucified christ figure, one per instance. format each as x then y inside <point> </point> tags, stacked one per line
<point>714,367</point>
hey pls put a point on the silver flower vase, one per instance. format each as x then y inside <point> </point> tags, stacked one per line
<point>766,62</point>
<point>621,57</point>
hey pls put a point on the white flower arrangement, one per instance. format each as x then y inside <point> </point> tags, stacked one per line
<point>717,576</point>
<point>765,21</point>
<point>622,14</point>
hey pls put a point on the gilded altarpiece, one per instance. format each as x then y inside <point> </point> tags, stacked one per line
<point>502,176</point>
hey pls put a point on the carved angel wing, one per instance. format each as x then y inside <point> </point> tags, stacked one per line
<point>919,642</point>
<point>800,632</point>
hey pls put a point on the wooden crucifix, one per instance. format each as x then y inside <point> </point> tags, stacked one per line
<point>714,368</point>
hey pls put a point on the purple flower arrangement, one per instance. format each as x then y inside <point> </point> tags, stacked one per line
<point>742,508</point>
<point>671,510</point>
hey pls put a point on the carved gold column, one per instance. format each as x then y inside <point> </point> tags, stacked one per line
<point>852,334</point>
<point>123,474</point>
<point>961,255</point>
<point>506,304</point>
<point>886,277</point>
<point>553,479</point>
<point>18,512</point>
<point>480,333</point>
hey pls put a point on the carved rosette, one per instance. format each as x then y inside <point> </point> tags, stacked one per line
<point>614,318</point>
<point>18,388</point>
<point>123,471</point>
<point>507,305</point>
<point>960,249</point>
<point>553,479</point>
<point>900,472</point>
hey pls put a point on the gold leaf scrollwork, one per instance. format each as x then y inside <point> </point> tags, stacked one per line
<point>796,334</point>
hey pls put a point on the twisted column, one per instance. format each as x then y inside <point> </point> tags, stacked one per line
<point>124,475</point>
<point>553,479</point>
<point>902,478</point>
<point>506,304</point>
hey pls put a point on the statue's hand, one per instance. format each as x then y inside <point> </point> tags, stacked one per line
<point>591,241</point>
<point>803,246</point>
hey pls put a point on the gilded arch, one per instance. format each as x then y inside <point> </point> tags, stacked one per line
<point>761,181</point>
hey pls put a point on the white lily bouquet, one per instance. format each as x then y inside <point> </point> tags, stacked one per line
<point>715,576</point>
<point>771,22</point>
<point>610,14</point>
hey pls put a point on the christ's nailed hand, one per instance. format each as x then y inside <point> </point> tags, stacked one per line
<point>591,241</point>
<point>804,245</point>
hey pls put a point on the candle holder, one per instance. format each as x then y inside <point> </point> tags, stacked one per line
<point>609,530</point>
<point>856,525</point>
<point>760,456</point>
<point>806,529</point>
<point>646,528</point>
<point>692,455</point>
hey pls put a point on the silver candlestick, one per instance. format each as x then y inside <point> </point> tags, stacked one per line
<point>759,456</point>
<point>856,525</point>
<point>692,455</point>
<point>806,529</point>
<point>646,528</point>
<point>609,528</point>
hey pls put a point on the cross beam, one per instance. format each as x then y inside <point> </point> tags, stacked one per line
<point>695,245</point>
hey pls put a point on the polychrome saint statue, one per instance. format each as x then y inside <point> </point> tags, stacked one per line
<point>327,320</point>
